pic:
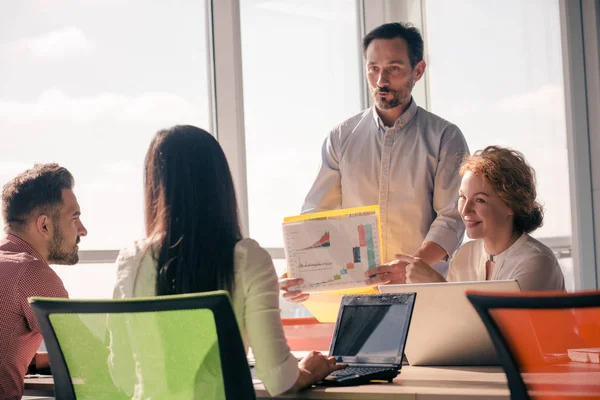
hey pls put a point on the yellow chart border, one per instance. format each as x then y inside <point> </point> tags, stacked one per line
<point>340,213</point>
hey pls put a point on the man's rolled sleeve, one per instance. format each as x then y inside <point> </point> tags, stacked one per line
<point>447,229</point>
<point>326,191</point>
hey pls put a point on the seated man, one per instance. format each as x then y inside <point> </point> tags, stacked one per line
<point>42,226</point>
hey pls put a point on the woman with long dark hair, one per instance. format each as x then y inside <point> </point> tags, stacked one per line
<point>194,244</point>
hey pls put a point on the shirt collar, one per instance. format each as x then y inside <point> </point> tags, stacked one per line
<point>26,246</point>
<point>515,246</point>
<point>404,119</point>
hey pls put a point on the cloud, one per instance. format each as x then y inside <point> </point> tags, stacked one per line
<point>306,11</point>
<point>545,101</point>
<point>111,186</point>
<point>12,168</point>
<point>119,168</point>
<point>54,105</point>
<point>54,44</point>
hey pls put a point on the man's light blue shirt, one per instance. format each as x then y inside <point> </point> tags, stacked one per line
<point>410,169</point>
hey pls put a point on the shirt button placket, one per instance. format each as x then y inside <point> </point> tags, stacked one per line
<point>384,185</point>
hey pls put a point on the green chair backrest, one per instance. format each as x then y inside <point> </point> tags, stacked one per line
<point>171,347</point>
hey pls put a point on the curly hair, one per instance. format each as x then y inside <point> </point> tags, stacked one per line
<point>514,181</point>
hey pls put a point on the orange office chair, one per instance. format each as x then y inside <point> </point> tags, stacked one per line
<point>548,342</point>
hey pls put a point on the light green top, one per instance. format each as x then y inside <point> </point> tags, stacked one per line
<point>255,303</point>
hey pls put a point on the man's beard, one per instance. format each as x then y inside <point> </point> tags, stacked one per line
<point>382,102</point>
<point>56,253</point>
<point>399,97</point>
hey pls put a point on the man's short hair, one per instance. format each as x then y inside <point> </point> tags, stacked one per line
<point>406,31</point>
<point>39,188</point>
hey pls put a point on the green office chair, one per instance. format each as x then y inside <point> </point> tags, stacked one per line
<point>167,347</point>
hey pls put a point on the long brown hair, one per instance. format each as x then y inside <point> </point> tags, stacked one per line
<point>191,211</point>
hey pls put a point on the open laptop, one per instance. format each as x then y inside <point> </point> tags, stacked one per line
<point>369,336</point>
<point>445,328</point>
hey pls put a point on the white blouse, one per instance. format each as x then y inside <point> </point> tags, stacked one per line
<point>255,303</point>
<point>528,261</point>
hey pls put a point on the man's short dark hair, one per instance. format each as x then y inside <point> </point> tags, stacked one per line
<point>406,31</point>
<point>38,188</point>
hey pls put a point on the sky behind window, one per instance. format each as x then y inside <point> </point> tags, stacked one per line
<point>87,84</point>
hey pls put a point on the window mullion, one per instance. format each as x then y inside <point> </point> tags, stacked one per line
<point>228,97</point>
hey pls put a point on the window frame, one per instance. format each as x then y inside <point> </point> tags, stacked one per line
<point>227,116</point>
<point>579,24</point>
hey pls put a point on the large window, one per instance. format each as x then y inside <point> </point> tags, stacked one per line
<point>87,84</point>
<point>495,69</point>
<point>301,68</point>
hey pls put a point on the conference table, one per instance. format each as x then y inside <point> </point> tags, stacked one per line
<point>472,383</point>
<point>413,383</point>
<point>439,383</point>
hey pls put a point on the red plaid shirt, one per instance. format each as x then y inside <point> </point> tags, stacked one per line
<point>23,274</point>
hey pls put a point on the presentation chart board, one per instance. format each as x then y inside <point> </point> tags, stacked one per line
<point>332,250</point>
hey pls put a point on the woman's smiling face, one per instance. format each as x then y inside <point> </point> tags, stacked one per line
<point>484,213</point>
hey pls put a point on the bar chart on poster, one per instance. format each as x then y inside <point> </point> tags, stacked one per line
<point>332,250</point>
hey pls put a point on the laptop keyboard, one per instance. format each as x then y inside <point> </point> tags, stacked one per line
<point>351,371</point>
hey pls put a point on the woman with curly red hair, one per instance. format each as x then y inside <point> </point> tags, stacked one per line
<point>497,202</point>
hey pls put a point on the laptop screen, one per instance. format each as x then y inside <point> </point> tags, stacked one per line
<point>373,330</point>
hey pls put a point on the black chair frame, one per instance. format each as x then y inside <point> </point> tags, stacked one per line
<point>484,303</point>
<point>237,380</point>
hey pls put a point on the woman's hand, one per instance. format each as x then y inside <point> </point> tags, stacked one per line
<point>418,271</point>
<point>392,272</point>
<point>296,296</point>
<point>314,368</point>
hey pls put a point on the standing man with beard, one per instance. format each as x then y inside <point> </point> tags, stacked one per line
<point>397,155</point>
<point>42,226</point>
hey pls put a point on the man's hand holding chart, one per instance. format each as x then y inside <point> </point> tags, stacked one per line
<point>331,250</point>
